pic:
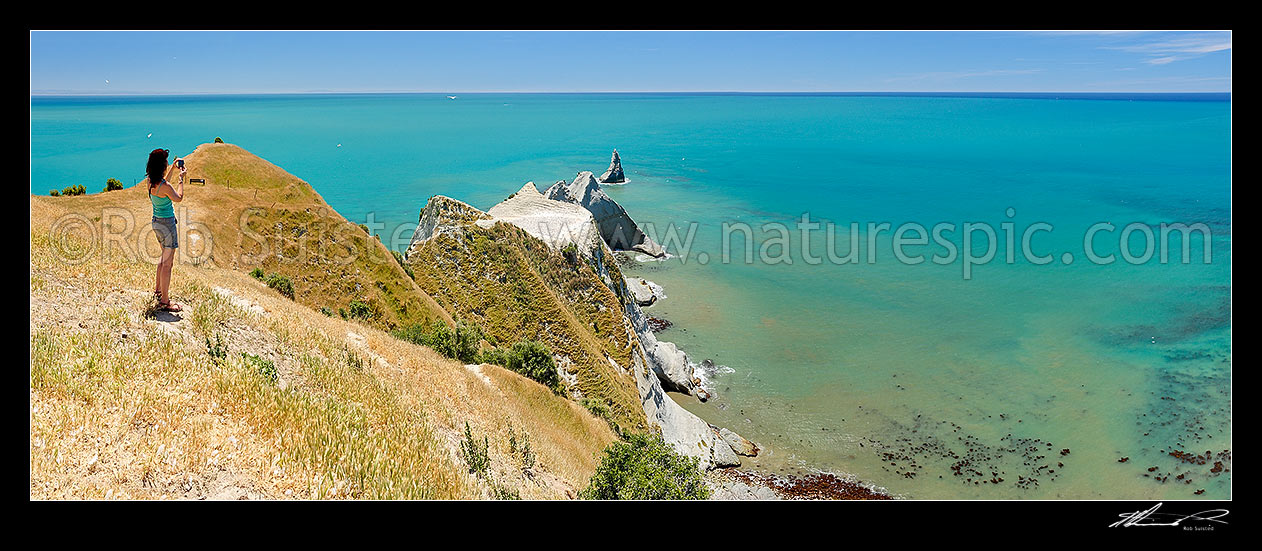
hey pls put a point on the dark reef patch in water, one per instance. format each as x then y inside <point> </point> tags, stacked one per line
<point>928,448</point>
<point>1176,210</point>
<point>1190,409</point>
<point>657,325</point>
<point>1186,321</point>
<point>1188,355</point>
<point>810,486</point>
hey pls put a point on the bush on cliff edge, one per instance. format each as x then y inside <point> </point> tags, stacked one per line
<point>645,467</point>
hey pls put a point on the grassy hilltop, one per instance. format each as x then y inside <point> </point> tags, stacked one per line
<point>259,216</point>
<point>248,393</point>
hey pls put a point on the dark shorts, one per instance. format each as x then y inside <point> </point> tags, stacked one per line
<point>168,236</point>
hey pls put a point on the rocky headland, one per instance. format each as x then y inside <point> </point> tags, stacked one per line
<point>585,226</point>
<point>296,383</point>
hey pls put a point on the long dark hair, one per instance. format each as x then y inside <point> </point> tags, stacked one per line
<point>157,166</point>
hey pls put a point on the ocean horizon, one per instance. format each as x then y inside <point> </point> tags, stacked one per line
<point>1144,96</point>
<point>1008,379</point>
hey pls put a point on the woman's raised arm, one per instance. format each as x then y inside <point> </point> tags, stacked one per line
<point>176,193</point>
<point>171,168</point>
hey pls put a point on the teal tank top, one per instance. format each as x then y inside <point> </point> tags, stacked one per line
<point>161,207</point>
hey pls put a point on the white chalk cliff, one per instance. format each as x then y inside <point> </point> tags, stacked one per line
<point>553,222</point>
<point>616,227</point>
<point>654,364</point>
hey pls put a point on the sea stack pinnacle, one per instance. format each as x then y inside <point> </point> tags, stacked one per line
<point>614,174</point>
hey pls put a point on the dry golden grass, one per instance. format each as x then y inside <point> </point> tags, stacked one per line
<point>253,214</point>
<point>124,405</point>
<point>357,413</point>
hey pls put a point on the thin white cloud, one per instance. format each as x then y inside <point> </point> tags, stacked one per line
<point>1166,49</point>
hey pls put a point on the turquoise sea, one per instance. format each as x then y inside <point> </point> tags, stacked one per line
<point>909,376</point>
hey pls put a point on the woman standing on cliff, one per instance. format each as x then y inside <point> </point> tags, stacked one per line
<point>161,195</point>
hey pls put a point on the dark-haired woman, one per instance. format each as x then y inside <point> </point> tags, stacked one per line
<point>161,195</point>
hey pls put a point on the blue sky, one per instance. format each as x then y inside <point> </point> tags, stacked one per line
<point>501,61</point>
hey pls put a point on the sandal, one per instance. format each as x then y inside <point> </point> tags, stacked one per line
<point>169,307</point>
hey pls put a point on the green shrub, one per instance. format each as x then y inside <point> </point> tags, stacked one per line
<point>263,366</point>
<point>414,334</point>
<point>570,252</point>
<point>522,448</point>
<point>361,310</point>
<point>282,284</point>
<point>442,339</point>
<point>257,273</point>
<point>466,339</point>
<point>460,343</point>
<point>530,358</point>
<point>342,312</point>
<point>505,494</point>
<point>494,356</point>
<point>474,453</point>
<point>352,359</point>
<point>326,311</point>
<point>77,189</point>
<point>112,184</point>
<point>217,351</point>
<point>645,467</point>
<point>218,139</point>
<point>54,193</point>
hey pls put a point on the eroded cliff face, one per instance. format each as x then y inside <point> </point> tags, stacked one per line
<point>558,224</point>
<point>532,267</point>
<point>616,227</point>
<point>442,216</point>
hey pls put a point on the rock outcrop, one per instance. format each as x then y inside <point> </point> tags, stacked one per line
<point>645,292</point>
<point>669,363</point>
<point>654,365</point>
<point>616,227</point>
<point>683,430</point>
<point>559,224</point>
<point>442,215</point>
<point>739,445</point>
<point>614,174</point>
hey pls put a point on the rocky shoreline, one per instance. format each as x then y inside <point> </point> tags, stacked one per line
<point>677,373</point>
<point>729,484</point>
<point>565,220</point>
<point>578,220</point>
<point>747,484</point>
